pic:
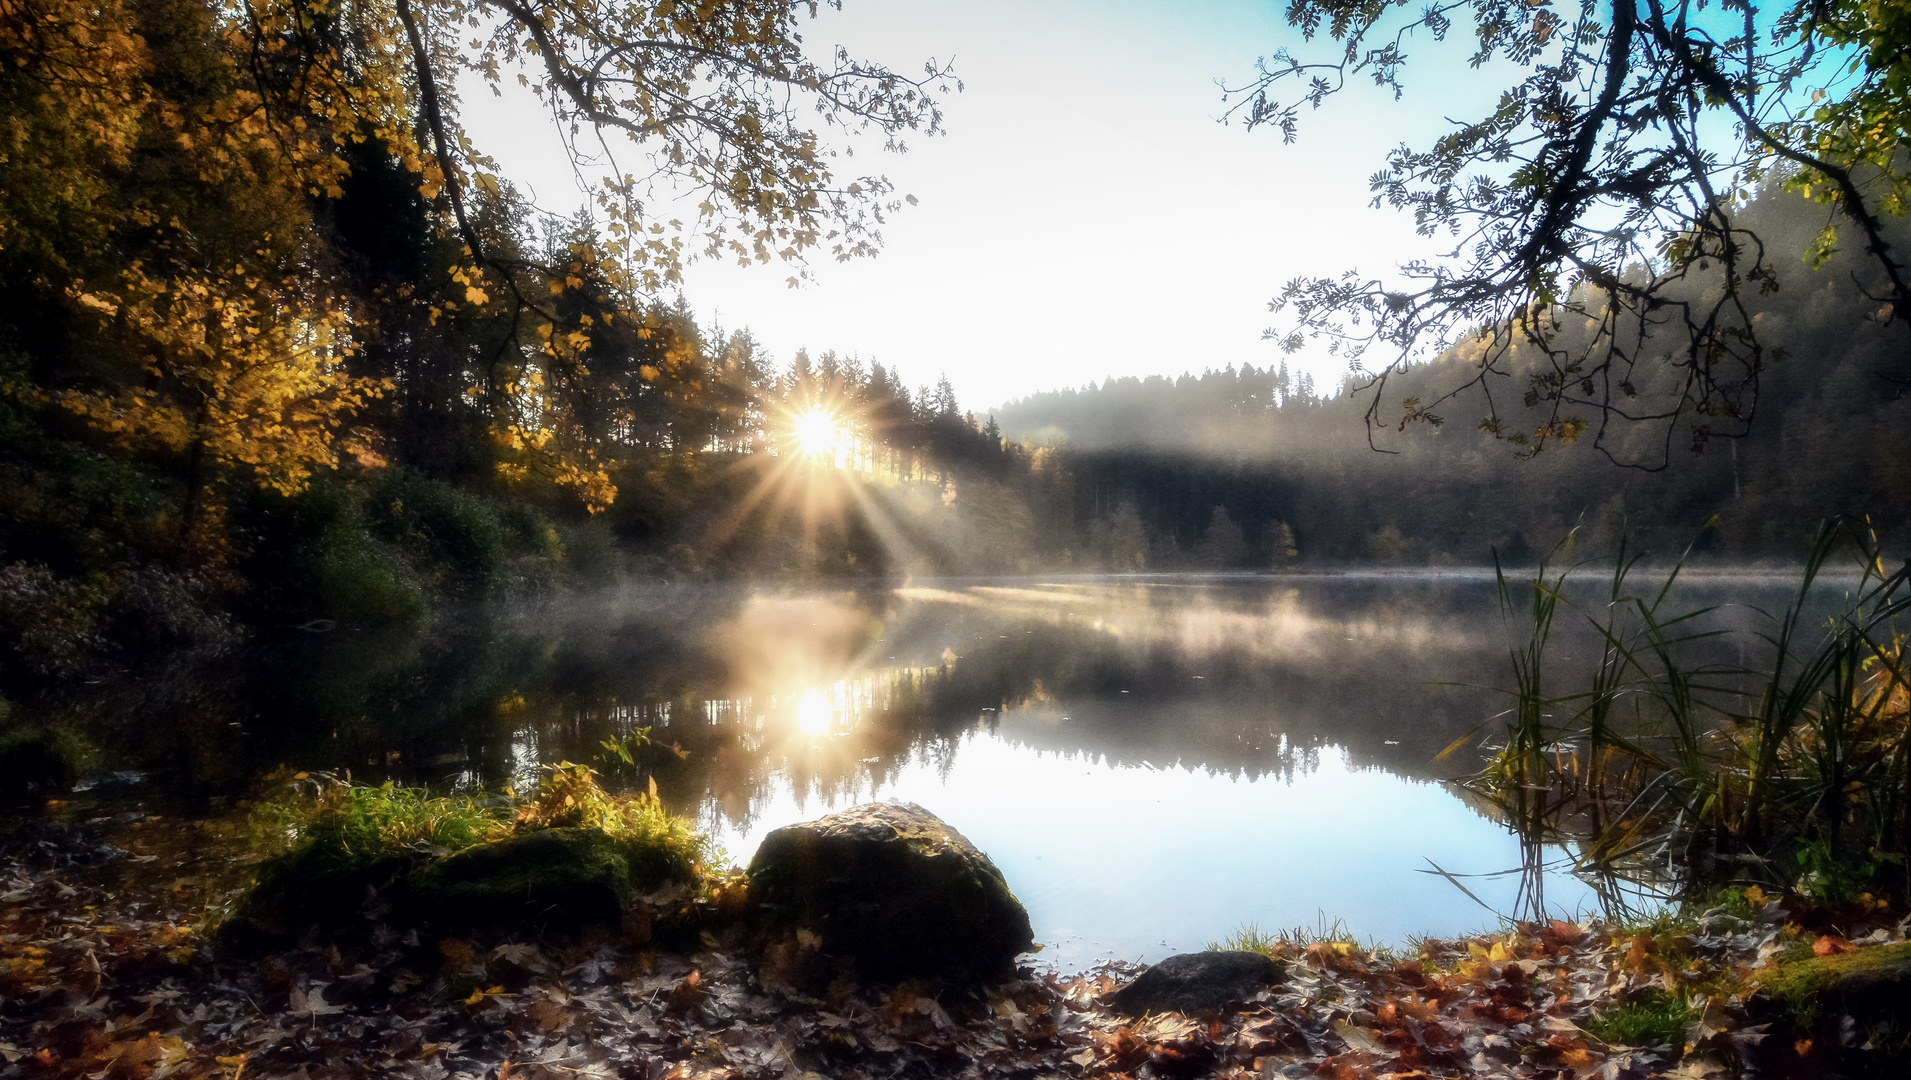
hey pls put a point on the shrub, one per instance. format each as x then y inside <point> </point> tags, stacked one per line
<point>359,581</point>
<point>40,759</point>
<point>51,624</point>
<point>452,533</point>
<point>331,843</point>
<point>591,552</point>
<point>312,554</point>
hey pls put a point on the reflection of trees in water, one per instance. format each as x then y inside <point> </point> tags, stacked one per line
<point>1052,685</point>
<point>1247,678</point>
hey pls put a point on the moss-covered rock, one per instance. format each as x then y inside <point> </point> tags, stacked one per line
<point>1848,1014</point>
<point>896,889</point>
<point>548,880</point>
<point>311,887</point>
<point>1873,981</point>
<point>544,881</point>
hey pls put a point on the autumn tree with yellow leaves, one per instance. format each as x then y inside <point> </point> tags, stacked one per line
<point>243,244</point>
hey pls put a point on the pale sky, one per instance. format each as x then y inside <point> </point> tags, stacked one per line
<point>1086,215</point>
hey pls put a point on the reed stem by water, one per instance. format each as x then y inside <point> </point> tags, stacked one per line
<point>1667,775</point>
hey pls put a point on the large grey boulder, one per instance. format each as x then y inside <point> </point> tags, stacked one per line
<point>892,886</point>
<point>1198,984</point>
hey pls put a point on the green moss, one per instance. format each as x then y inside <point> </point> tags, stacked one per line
<point>1821,974</point>
<point>566,854</point>
<point>557,879</point>
<point>1876,979</point>
<point>1855,1003</point>
<point>44,759</point>
<point>1654,1018</point>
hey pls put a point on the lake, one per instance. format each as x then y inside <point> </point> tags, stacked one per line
<point>1153,762</point>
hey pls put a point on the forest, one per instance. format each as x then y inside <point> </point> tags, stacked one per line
<point>682,453</point>
<point>275,353</point>
<point>1242,468</point>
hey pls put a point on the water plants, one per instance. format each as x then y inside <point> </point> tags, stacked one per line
<point>1672,775</point>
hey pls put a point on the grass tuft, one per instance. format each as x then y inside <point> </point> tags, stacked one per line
<point>327,840</point>
<point>1290,943</point>
<point>1790,767</point>
<point>1249,938</point>
<point>1654,1018</point>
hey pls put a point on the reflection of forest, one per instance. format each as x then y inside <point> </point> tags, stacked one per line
<point>830,695</point>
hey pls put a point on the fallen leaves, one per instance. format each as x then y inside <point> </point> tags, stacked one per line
<point>1831,945</point>
<point>104,983</point>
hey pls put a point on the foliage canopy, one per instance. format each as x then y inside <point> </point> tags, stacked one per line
<point>242,242</point>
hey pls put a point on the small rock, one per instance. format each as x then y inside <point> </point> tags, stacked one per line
<point>1198,984</point>
<point>897,889</point>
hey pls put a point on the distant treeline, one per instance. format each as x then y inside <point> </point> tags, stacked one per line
<point>1204,470</point>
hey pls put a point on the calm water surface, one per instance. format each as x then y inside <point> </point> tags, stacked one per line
<point>1152,762</point>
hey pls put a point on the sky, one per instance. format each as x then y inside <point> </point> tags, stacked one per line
<point>1086,215</point>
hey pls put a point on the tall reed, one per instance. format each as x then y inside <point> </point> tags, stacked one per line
<point>1789,773</point>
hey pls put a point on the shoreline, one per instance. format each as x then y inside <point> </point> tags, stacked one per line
<point>108,968</point>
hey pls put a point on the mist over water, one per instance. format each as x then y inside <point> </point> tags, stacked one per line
<point>1153,762</point>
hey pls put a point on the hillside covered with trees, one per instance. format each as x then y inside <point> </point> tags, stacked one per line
<point>1270,449</point>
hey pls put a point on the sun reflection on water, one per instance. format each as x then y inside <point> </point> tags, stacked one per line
<point>813,713</point>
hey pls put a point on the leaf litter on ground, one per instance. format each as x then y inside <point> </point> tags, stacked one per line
<point>108,973</point>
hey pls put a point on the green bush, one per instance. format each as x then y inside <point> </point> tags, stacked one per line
<point>527,532</point>
<point>453,534</point>
<point>535,549</point>
<point>330,844</point>
<point>359,581</point>
<point>40,760</point>
<point>313,554</point>
<point>591,553</point>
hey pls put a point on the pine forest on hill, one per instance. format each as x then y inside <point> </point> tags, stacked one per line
<point>1269,448</point>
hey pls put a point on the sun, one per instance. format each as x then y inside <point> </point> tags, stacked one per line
<point>816,433</point>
